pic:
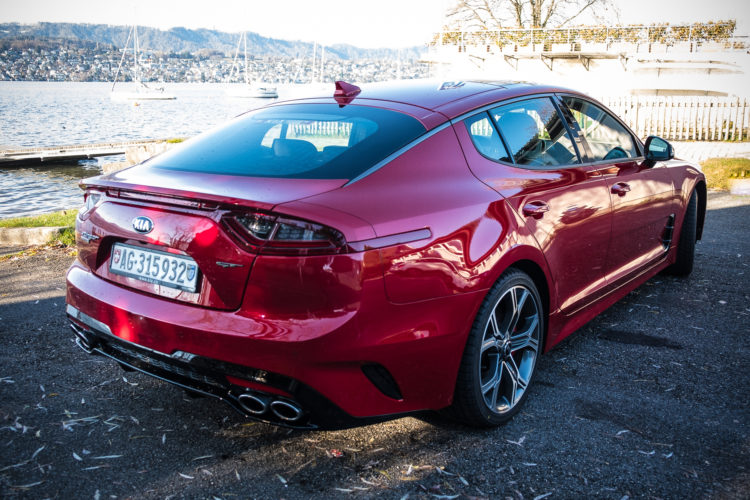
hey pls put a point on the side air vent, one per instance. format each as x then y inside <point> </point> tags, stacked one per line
<point>666,238</point>
<point>382,379</point>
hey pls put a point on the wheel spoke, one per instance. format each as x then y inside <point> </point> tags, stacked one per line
<point>488,344</point>
<point>513,376</point>
<point>526,339</point>
<point>494,382</point>
<point>518,385</point>
<point>518,303</point>
<point>496,389</point>
<point>492,325</point>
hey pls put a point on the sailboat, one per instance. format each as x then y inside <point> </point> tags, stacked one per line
<point>142,91</point>
<point>249,90</point>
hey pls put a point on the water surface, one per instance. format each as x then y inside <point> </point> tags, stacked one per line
<point>36,114</point>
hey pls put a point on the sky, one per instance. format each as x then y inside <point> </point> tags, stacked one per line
<point>364,23</point>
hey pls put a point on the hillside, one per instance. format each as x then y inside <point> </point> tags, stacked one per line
<point>178,40</point>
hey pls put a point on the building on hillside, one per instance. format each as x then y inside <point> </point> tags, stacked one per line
<point>701,59</point>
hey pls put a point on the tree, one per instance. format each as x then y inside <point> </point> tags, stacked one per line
<point>500,14</point>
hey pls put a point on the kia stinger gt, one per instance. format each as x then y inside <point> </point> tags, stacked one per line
<point>407,246</point>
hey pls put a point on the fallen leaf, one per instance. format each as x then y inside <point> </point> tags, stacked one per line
<point>519,442</point>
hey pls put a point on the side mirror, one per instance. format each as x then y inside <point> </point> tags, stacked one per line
<point>657,149</point>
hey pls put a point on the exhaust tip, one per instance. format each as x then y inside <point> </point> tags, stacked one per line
<point>253,404</point>
<point>286,410</point>
<point>82,340</point>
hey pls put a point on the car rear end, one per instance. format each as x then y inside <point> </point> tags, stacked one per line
<point>191,270</point>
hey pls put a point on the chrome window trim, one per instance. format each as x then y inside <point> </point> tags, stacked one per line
<point>399,152</point>
<point>640,149</point>
<point>599,163</point>
<point>503,102</point>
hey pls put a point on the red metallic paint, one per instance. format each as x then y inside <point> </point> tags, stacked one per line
<point>226,189</point>
<point>429,234</point>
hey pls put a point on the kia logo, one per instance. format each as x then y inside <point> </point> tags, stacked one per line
<point>143,224</point>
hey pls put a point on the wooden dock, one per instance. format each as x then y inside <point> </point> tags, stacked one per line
<point>22,157</point>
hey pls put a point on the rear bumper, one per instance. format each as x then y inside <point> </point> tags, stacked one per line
<point>303,408</point>
<point>341,370</point>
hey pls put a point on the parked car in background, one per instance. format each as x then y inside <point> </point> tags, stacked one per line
<point>408,246</point>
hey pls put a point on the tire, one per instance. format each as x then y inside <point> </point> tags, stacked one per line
<point>683,266</point>
<point>498,365</point>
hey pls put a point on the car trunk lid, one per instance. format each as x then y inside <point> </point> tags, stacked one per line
<point>185,211</point>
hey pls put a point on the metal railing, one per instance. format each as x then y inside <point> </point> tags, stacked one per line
<point>692,35</point>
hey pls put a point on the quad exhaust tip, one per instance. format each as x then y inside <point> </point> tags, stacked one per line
<point>256,404</point>
<point>253,404</point>
<point>286,410</point>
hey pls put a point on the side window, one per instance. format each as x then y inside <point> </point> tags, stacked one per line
<point>485,137</point>
<point>535,133</point>
<point>606,137</point>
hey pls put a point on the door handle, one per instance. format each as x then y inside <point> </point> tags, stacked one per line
<point>535,209</point>
<point>621,188</point>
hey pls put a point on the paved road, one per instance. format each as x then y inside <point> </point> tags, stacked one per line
<point>650,400</point>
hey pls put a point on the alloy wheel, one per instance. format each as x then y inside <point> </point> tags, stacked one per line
<point>509,349</point>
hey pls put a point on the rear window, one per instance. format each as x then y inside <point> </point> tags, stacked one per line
<point>303,141</point>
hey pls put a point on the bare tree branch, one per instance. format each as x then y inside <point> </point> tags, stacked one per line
<point>498,14</point>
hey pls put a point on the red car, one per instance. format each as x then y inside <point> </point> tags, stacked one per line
<point>411,246</point>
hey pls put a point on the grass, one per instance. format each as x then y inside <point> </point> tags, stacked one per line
<point>64,218</point>
<point>67,237</point>
<point>719,171</point>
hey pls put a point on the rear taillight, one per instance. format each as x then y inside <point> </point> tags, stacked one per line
<point>273,234</point>
<point>91,199</point>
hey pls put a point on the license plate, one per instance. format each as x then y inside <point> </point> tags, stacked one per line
<point>161,268</point>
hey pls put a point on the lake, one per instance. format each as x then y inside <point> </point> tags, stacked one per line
<point>62,113</point>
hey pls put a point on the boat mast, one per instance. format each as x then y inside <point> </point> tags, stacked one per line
<point>244,38</point>
<point>135,53</point>
<point>315,49</point>
<point>122,59</point>
<point>322,61</point>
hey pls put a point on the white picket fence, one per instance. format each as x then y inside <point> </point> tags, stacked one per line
<point>684,118</point>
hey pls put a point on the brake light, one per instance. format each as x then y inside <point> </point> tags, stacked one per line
<point>91,199</point>
<point>273,234</point>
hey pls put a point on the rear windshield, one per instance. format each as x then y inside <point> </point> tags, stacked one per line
<point>304,141</point>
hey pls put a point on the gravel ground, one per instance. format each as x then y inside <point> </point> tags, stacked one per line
<point>649,400</point>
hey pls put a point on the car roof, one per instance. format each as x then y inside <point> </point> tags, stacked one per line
<point>434,101</point>
<point>431,94</point>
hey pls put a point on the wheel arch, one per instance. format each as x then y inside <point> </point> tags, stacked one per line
<point>700,189</point>
<point>528,258</point>
<point>538,276</point>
